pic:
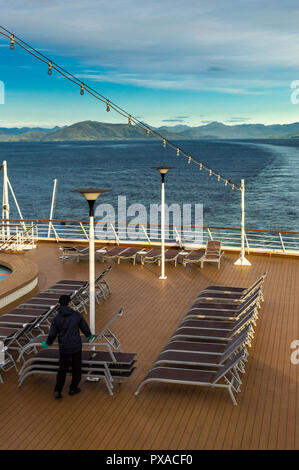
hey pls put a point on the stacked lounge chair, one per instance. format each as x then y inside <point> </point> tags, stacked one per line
<point>108,365</point>
<point>210,348</point>
<point>20,326</point>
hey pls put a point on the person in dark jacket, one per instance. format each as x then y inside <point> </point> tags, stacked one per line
<point>67,325</point>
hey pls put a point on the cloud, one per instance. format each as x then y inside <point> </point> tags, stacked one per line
<point>238,119</point>
<point>207,45</point>
<point>173,120</point>
<point>164,82</point>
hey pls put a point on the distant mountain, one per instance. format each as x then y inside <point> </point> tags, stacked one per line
<point>239,131</point>
<point>23,130</point>
<point>93,130</point>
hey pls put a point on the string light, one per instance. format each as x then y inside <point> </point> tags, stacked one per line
<point>50,67</point>
<point>38,55</point>
<point>12,42</point>
<point>177,152</point>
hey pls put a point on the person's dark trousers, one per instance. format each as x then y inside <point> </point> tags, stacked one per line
<point>66,361</point>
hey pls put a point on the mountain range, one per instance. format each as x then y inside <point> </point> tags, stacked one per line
<point>93,130</point>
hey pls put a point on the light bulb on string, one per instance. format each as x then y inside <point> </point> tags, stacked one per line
<point>107,106</point>
<point>50,67</point>
<point>226,182</point>
<point>218,177</point>
<point>12,42</point>
<point>164,143</point>
<point>82,89</point>
<point>177,152</point>
<point>130,120</point>
<point>189,160</point>
<point>200,166</point>
<point>210,171</point>
<point>147,132</point>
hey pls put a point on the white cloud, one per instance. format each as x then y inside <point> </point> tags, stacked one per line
<point>168,45</point>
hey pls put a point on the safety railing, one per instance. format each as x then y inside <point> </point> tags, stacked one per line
<point>14,237</point>
<point>268,241</point>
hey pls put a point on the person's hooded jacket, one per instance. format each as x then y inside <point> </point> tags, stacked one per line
<point>67,325</point>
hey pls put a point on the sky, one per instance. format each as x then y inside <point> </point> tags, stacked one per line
<point>166,62</point>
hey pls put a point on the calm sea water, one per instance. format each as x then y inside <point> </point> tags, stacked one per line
<point>270,169</point>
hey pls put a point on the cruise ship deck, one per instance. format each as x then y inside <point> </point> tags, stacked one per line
<point>165,416</point>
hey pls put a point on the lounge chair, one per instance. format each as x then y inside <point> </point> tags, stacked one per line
<point>226,377</point>
<point>170,255</point>
<point>114,252</point>
<point>194,257</point>
<point>204,358</point>
<point>77,252</point>
<point>211,334</point>
<point>225,311</point>
<point>212,253</point>
<point>128,254</point>
<point>102,288</point>
<point>150,256</point>
<point>227,296</point>
<point>105,338</point>
<point>97,364</point>
<point>72,283</point>
<point>233,289</point>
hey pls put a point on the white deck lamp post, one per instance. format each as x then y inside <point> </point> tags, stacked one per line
<point>242,261</point>
<point>91,195</point>
<point>163,170</point>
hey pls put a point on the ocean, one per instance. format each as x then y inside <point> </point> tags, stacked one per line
<point>270,169</point>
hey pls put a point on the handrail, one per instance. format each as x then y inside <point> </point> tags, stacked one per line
<point>256,240</point>
<point>152,225</point>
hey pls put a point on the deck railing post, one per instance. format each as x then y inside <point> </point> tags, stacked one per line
<point>83,230</point>
<point>52,206</point>
<point>178,237</point>
<point>281,241</point>
<point>115,234</point>
<point>242,261</point>
<point>148,238</point>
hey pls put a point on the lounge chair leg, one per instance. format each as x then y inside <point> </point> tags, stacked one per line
<point>232,396</point>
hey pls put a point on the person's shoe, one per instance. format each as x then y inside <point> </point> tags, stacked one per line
<point>57,394</point>
<point>74,391</point>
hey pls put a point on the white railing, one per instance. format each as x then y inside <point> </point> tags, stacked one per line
<point>264,241</point>
<point>18,238</point>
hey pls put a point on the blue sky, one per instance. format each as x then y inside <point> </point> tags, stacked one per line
<point>167,62</point>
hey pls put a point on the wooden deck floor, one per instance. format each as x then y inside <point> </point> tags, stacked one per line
<point>164,416</point>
